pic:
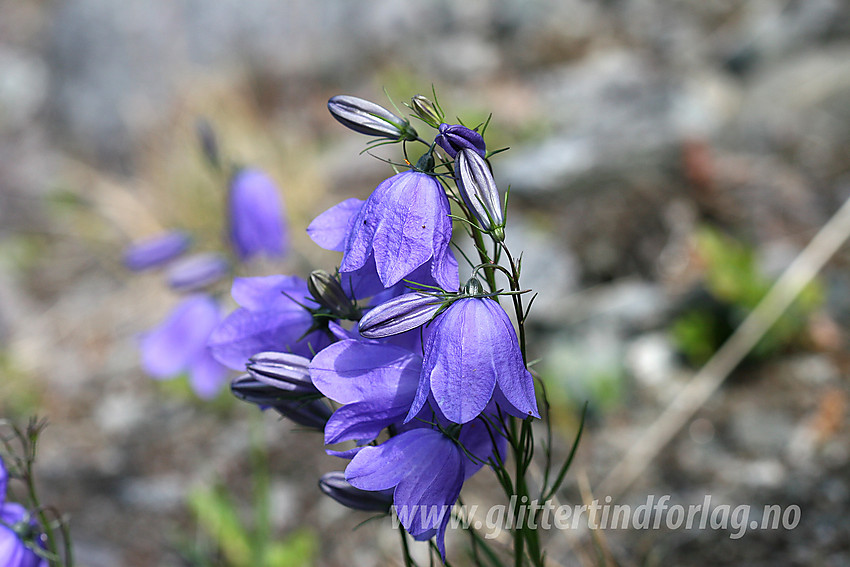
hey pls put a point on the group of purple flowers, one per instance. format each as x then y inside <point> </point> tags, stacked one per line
<point>422,376</point>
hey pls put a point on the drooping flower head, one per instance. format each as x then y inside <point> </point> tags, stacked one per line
<point>402,225</point>
<point>179,345</point>
<point>472,354</point>
<point>256,215</point>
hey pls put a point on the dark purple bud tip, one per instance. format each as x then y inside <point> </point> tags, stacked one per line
<point>334,485</point>
<point>197,271</point>
<point>454,137</point>
<point>312,413</point>
<point>369,118</point>
<point>287,372</point>
<point>400,314</point>
<point>327,291</point>
<point>155,251</point>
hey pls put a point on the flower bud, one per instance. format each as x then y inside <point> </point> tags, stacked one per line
<point>155,251</point>
<point>209,142</point>
<point>328,292</point>
<point>196,272</point>
<point>399,314</point>
<point>287,372</point>
<point>309,413</point>
<point>478,190</point>
<point>334,485</point>
<point>425,109</point>
<point>455,137</point>
<point>369,118</point>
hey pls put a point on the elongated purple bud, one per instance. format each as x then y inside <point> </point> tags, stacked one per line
<point>287,372</point>
<point>399,314</point>
<point>454,138</point>
<point>479,192</point>
<point>155,251</point>
<point>197,271</point>
<point>369,118</point>
<point>313,413</point>
<point>333,484</point>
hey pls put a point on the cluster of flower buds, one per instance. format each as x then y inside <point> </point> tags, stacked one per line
<point>256,227</point>
<point>428,373</point>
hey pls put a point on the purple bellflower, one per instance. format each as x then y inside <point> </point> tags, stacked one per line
<point>454,137</point>
<point>375,382</point>
<point>256,215</point>
<point>16,526</point>
<point>330,230</point>
<point>156,251</point>
<point>402,225</point>
<point>472,354</point>
<point>179,345</point>
<point>271,317</point>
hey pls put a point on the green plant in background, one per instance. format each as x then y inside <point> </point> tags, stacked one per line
<point>733,285</point>
<point>237,543</point>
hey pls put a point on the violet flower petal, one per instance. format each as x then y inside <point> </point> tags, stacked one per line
<point>168,349</point>
<point>256,215</point>
<point>404,223</point>
<point>331,228</point>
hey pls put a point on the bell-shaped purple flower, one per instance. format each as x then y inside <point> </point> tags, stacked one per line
<point>333,484</point>
<point>454,137</point>
<point>271,317</point>
<point>398,315</point>
<point>472,352</point>
<point>426,470</point>
<point>179,345</point>
<point>375,382</point>
<point>196,271</point>
<point>256,215</point>
<point>403,224</point>
<point>155,251</point>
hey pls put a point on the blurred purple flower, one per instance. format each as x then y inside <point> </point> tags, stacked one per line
<point>454,137</point>
<point>403,224</point>
<point>471,354</point>
<point>196,271</point>
<point>271,317</point>
<point>155,251</point>
<point>179,345</point>
<point>256,215</point>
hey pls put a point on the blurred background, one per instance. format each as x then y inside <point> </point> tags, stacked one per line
<point>669,158</point>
